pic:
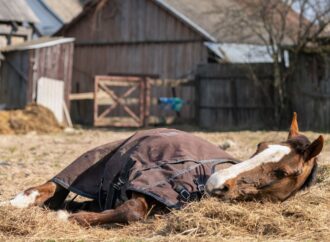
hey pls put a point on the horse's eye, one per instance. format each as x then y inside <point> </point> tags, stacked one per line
<point>280,173</point>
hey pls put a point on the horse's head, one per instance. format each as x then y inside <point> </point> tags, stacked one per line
<point>274,172</point>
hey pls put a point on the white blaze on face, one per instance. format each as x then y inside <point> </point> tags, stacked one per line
<point>274,153</point>
<point>23,201</point>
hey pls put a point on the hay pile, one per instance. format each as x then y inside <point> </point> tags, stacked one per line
<point>33,118</point>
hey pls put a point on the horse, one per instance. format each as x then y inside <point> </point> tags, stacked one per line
<point>275,172</point>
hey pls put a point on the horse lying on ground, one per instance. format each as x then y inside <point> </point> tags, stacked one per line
<point>168,168</point>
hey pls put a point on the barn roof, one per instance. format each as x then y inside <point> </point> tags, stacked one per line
<point>215,18</point>
<point>65,10</point>
<point>16,11</point>
<point>37,43</point>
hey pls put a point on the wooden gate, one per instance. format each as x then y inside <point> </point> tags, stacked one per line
<point>121,101</point>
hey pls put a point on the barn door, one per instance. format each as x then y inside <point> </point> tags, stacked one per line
<point>121,101</point>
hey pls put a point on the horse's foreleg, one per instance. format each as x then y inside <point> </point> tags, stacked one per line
<point>132,210</point>
<point>49,194</point>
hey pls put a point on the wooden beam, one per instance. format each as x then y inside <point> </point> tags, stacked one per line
<point>81,96</point>
<point>149,42</point>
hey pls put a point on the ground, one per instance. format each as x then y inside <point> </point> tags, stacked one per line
<point>28,160</point>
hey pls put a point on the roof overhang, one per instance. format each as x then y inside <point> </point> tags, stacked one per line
<point>241,53</point>
<point>185,19</point>
<point>37,43</point>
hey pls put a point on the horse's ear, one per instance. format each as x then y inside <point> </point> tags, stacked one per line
<point>294,130</point>
<point>314,148</point>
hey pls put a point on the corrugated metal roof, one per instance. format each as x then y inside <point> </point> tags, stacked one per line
<point>16,10</point>
<point>49,22</point>
<point>241,53</point>
<point>37,43</point>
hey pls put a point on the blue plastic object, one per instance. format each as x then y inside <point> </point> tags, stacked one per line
<point>175,103</point>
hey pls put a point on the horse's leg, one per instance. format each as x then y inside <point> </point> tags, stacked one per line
<point>132,210</point>
<point>49,194</point>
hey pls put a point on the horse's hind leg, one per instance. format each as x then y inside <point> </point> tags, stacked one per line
<point>49,194</point>
<point>132,210</point>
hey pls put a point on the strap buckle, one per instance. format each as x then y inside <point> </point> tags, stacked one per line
<point>185,194</point>
<point>118,184</point>
<point>200,186</point>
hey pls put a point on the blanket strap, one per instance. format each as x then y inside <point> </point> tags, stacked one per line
<point>117,188</point>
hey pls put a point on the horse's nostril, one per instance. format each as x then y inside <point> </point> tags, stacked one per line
<point>225,188</point>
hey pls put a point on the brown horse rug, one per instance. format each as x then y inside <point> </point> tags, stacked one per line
<point>168,165</point>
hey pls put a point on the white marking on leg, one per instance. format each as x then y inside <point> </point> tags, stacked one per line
<point>23,201</point>
<point>274,153</point>
<point>63,215</point>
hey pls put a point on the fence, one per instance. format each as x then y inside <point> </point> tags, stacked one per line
<point>235,96</point>
<point>114,112</point>
<point>309,91</point>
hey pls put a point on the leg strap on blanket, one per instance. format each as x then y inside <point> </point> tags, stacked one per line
<point>117,188</point>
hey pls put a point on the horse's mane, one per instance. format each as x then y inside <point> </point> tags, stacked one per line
<point>299,143</point>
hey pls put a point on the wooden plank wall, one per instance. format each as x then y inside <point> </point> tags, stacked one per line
<point>14,79</point>
<point>168,88</point>
<point>53,62</point>
<point>309,91</point>
<point>132,37</point>
<point>21,70</point>
<point>129,21</point>
<point>230,99</point>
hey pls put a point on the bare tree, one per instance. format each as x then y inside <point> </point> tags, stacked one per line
<point>280,25</point>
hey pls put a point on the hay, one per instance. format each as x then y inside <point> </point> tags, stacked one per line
<point>302,217</point>
<point>33,118</point>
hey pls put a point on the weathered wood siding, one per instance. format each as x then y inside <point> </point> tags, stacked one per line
<point>53,62</point>
<point>309,91</point>
<point>125,21</point>
<point>231,99</point>
<point>20,71</point>
<point>14,79</point>
<point>132,37</point>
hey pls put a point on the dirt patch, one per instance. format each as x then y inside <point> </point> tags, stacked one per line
<point>32,118</point>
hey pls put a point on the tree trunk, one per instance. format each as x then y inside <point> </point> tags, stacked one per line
<point>279,104</point>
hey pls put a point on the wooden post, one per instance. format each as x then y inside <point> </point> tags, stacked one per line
<point>96,111</point>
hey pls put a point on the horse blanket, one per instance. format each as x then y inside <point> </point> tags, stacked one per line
<point>168,165</point>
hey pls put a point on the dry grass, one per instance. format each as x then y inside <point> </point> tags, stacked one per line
<point>31,159</point>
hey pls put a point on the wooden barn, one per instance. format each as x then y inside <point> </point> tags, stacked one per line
<point>162,39</point>
<point>24,66</point>
<point>165,40</point>
<point>134,37</point>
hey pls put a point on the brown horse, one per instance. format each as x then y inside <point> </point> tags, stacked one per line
<point>275,172</point>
